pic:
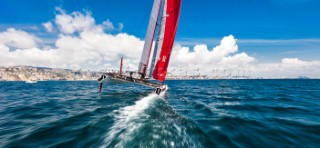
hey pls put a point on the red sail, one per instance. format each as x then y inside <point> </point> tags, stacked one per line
<point>171,24</point>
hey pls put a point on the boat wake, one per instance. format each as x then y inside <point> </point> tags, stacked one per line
<point>151,122</point>
<point>128,121</point>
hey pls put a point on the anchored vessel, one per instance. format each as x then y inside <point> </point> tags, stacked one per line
<point>162,26</point>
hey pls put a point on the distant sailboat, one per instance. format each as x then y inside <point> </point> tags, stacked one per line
<point>31,81</point>
<point>163,24</point>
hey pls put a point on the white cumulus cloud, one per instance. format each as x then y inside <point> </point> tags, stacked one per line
<point>18,39</point>
<point>108,25</point>
<point>225,59</point>
<point>48,26</point>
<point>223,55</point>
<point>287,68</point>
<point>90,48</point>
<point>82,43</point>
<point>74,22</point>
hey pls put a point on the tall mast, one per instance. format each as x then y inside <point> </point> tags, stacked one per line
<point>144,61</point>
<point>121,66</point>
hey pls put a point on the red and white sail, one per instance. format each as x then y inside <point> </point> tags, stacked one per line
<point>143,65</point>
<point>166,12</point>
<point>171,13</point>
<point>159,40</point>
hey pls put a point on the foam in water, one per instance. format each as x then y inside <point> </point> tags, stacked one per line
<point>269,113</point>
<point>126,121</point>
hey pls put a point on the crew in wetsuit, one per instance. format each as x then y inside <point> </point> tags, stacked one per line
<point>131,73</point>
<point>102,78</point>
<point>143,75</point>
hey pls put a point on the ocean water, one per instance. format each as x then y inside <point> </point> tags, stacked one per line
<point>193,113</point>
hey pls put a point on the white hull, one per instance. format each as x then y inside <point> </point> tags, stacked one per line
<point>111,81</point>
<point>30,81</point>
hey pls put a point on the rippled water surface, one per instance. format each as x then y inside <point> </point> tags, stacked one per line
<point>206,113</point>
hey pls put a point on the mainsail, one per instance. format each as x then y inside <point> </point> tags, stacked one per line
<point>171,14</point>
<point>164,19</point>
<point>167,13</point>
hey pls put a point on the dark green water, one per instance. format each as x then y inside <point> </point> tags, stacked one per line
<point>208,113</point>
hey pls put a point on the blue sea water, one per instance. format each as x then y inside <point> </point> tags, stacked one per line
<point>192,113</point>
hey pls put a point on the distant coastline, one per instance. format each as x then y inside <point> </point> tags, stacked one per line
<point>30,73</point>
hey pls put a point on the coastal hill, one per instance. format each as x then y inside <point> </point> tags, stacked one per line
<point>30,73</point>
<point>26,73</point>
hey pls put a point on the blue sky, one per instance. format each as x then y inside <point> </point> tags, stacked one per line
<point>268,30</point>
<point>268,19</point>
<point>200,22</point>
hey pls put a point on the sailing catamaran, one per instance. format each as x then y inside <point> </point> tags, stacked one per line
<point>163,24</point>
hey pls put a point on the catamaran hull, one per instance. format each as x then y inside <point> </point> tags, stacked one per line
<point>164,18</point>
<point>113,78</point>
